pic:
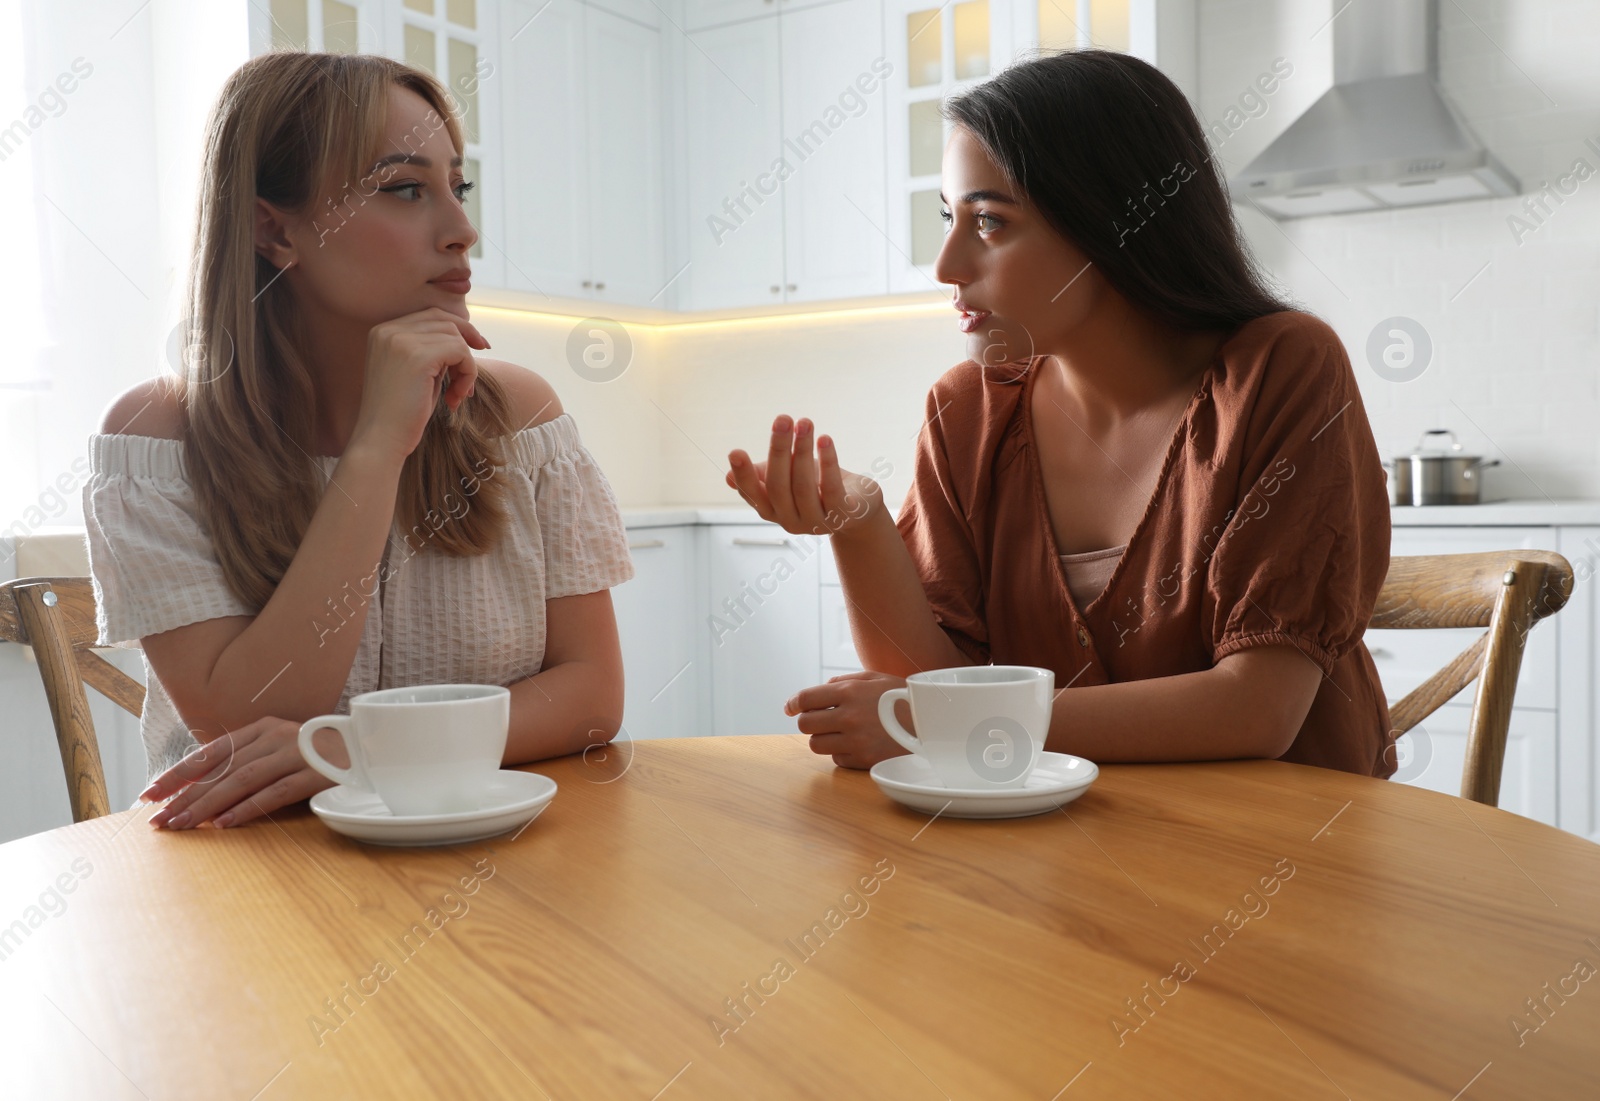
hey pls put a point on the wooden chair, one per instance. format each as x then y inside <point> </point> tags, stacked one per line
<point>55,615</point>
<point>1505,591</point>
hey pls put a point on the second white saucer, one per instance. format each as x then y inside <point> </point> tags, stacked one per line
<point>1057,779</point>
<point>512,799</point>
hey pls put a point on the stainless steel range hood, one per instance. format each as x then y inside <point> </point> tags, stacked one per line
<point>1384,135</point>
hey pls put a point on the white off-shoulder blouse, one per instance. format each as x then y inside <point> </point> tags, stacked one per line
<point>436,620</point>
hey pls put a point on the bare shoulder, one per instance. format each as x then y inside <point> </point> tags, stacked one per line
<point>151,408</point>
<point>533,400</point>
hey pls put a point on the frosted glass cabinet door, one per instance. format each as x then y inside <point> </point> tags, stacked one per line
<point>546,175</point>
<point>733,190</point>
<point>764,628</point>
<point>626,217</point>
<point>833,128</point>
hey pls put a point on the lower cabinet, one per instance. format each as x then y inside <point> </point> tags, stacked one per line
<point>658,620</point>
<point>763,625</point>
<point>719,628</point>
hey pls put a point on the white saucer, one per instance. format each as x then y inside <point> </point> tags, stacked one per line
<point>1057,779</point>
<point>512,799</point>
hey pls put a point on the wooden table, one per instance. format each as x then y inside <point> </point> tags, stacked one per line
<point>736,918</point>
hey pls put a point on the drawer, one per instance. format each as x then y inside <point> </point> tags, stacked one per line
<point>838,648</point>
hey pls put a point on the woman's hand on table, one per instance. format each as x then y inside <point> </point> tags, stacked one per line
<point>802,493</point>
<point>842,718</point>
<point>243,775</point>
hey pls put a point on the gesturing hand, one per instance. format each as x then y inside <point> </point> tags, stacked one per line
<point>239,776</point>
<point>790,490</point>
<point>842,718</point>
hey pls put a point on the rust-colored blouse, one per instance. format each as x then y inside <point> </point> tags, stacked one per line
<point>1269,525</point>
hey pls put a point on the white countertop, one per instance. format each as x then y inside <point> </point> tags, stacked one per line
<point>59,550</point>
<point>1570,512</point>
<point>1537,512</point>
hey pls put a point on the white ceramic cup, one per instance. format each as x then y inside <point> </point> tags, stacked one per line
<point>980,727</point>
<point>431,749</point>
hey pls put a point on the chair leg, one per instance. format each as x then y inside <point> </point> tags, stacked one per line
<point>69,706</point>
<point>1497,684</point>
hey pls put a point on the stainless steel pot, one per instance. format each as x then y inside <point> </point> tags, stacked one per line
<point>1434,476</point>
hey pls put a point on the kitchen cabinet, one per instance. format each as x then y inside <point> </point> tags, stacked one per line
<point>834,203</point>
<point>784,165</point>
<point>763,624</point>
<point>700,14</point>
<point>584,212</point>
<point>733,158</point>
<point>938,51</point>
<point>659,619</point>
<point>807,166</point>
<point>941,51</point>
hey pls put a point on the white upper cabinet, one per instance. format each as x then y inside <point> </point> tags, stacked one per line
<point>805,161</point>
<point>545,155</point>
<point>582,150</point>
<point>784,172</point>
<point>734,167</point>
<point>834,203</point>
<point>626,211</point>
<point>700,14</point>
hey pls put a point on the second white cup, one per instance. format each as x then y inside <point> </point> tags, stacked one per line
<point>980,727</point>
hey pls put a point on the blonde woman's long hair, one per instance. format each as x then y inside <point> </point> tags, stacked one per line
<point>296,128</point>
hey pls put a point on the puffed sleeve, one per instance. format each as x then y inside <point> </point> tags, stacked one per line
<point>1307,546</point>
<point>150,557</point>
<point>584,541</point>
<point>939,537</point>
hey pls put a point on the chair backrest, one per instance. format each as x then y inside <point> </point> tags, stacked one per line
<point>56,616</point>
<point>1505,591</point>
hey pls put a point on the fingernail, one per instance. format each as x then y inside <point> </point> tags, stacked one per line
<point>223,821</point>
<point>178,821</point>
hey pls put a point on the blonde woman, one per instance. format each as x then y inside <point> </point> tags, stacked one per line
<point>341,495</point>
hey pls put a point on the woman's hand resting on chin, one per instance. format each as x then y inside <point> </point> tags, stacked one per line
<point>227,781</point>
<point>842,718</point>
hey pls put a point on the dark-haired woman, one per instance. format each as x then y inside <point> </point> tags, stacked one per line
<point>1151,476</point>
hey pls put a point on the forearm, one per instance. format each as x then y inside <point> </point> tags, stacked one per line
<point>1216,714</point>
<point>891,621</point>
<point>294,658</point>
<point>563,709</point>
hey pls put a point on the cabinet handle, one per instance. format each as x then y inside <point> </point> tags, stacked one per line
<point>588,282</point>
<point>792,286</point>
<point>646,544</point>
<point>775,288</point>
<point>1379,653</point>
<point>599,286</point>
<point>740,542</point>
